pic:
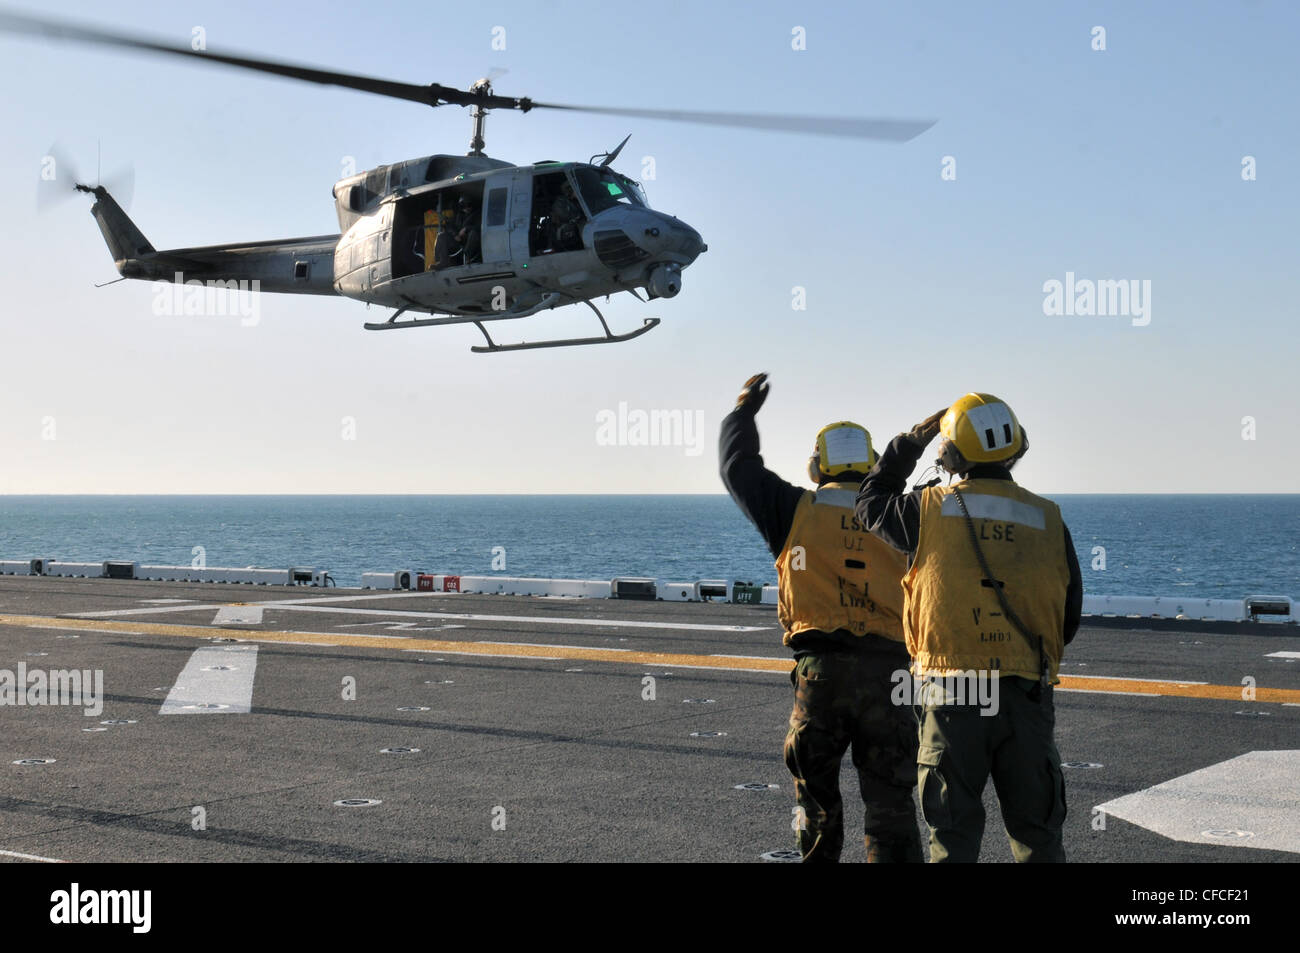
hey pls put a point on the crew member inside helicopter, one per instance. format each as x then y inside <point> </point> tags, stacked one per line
<point>565,221</point>
<point>557,215</point>
<point>459,242</point>
<point>465,229</point>
<point>424,243</point>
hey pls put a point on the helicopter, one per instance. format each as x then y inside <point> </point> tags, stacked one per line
<point>464,239</point>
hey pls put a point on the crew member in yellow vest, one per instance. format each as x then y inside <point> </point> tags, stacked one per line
<point>993,594</point>
<point>431,229</point>
<point>840,605</point>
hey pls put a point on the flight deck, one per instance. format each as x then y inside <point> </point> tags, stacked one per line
<point>290,723</point>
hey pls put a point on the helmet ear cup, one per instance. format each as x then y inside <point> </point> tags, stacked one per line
<point>952,459</point>
<point>815,468</point>
<point>1024,445</point>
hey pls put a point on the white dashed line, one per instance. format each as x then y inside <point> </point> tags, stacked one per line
<point>43,860</point>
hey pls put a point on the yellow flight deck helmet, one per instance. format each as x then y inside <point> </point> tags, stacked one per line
<point>841,447</point>
<point>980,428</point>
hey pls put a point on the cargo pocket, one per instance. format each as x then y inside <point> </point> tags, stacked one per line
<point>932,789</point>
<point>813,693</point>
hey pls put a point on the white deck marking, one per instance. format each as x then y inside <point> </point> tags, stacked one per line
<point>543,620</point>
<point>378,595</point>
<point>1283,655</point>
<point>297,606</point>
<point>43,860</point>
<point>554,645</point>
<point>147,610</point>
<point>244,615</point>
<point>376,635</point>
<point>1102,691</point>
<point>1132,678</point>
<point>1254,792</point>
<point>410,626</point>
<point>543,658</point>
<point>199,684</point>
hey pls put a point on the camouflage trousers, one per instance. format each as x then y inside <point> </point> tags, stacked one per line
<point>960,748</point>
<point>842,700</point>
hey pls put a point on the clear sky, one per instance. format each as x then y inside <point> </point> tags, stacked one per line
<point>1124,163</point>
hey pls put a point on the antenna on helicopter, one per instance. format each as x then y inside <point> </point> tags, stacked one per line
<point>63,181</point>
<point>609,156</point>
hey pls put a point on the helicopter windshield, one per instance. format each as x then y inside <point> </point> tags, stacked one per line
<point>603,189</point>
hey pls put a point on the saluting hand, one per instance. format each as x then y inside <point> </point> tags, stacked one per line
<point>927,429</point>
<point>753,393</point>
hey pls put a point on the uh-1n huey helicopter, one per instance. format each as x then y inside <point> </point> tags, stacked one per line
<point>464,239</point>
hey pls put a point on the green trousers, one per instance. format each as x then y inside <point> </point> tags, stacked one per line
<point>842,700</point>
<point>960,748</point>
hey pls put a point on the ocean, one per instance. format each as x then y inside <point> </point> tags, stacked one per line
<point>1208,546</point>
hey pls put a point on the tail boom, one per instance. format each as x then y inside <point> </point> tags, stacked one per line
<point>289,266</point>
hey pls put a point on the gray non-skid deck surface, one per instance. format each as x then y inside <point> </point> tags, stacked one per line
<point>549,758</point>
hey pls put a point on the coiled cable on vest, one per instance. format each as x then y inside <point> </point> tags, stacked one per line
<point>1043,670</point>
<point>923,484</point>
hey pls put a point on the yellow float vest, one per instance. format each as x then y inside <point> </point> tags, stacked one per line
<point>952,617</point>
<point>431,224</point>
<point>833,574</point>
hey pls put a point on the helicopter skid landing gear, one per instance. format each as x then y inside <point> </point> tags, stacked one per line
<point>608,338</point>
<point>549,301</point>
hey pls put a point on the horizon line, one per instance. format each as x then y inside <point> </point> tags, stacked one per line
<point>4,495</point>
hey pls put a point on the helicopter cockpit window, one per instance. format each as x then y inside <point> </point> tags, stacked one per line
<point>604,188</point>
<point>557,217</point>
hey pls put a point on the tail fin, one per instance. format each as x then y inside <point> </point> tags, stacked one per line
<point>125,241</point>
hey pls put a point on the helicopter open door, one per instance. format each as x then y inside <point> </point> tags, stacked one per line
<point>439,229</point>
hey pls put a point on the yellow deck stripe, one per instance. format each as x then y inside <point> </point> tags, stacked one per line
<point>494,649</point>
<point>1179,689</point>
<point>732,663</point>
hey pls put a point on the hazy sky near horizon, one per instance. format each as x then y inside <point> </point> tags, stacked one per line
<point>1123,164</point>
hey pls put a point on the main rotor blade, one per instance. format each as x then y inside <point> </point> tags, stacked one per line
<point>893,130</point>
<point>431,95</point>
<point>434,94</point>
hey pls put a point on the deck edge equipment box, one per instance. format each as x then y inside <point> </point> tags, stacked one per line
<point>630,587</point>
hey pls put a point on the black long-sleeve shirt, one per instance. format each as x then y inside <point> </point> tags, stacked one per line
<point>884,507</point>
<point>764,497</point>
